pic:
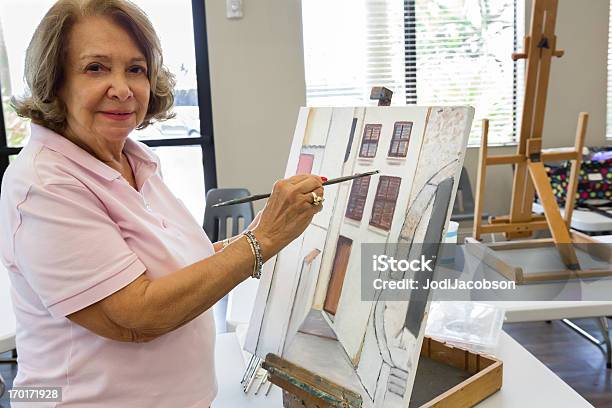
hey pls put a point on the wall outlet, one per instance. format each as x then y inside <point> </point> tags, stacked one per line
<point>234,8</point>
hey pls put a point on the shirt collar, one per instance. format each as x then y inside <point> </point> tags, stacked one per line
<point>65,147</point>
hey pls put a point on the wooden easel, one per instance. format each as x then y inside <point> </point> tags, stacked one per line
<point>529,171</point>
<point>382,94</point>
<point>304,389</point>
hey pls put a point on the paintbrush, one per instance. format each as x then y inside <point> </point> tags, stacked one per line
<point>262,196</point>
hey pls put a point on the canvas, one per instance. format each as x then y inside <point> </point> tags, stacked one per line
<point>308,307</point>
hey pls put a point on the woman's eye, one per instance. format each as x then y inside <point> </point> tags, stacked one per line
<point>137,69</point>
<point>94,67</point>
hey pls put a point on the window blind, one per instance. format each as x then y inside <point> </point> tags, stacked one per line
<point>351,46</point>
<point>429,52</point>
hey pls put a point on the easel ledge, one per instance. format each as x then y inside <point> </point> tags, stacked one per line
<point>488,254</point>
<point>302,388</point>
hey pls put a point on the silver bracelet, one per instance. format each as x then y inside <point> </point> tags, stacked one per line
<point>225,243</point>
<point>256,249</point>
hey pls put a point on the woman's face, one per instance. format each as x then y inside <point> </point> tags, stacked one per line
<point>106,88</point>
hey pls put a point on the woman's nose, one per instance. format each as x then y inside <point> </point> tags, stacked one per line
<point>120,88</point>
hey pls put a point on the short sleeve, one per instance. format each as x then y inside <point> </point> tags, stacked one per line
<point>70,250</point>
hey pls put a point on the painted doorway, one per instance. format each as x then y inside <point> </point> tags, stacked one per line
<point>334,289</point>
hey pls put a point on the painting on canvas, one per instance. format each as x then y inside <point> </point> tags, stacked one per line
<point>308,307</point>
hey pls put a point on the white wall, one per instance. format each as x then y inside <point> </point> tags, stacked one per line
<point>257,80</point>
<point>257,72</point>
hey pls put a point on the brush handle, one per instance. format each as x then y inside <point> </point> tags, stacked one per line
<point>262,196</point>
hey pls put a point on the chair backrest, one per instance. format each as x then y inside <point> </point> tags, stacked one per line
<point>464,200</point>
<point>215,219</point>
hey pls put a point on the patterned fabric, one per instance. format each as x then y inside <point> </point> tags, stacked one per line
<point>594,181</point>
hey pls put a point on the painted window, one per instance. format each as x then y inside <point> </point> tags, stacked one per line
<point>400,139</point>
<point>357,198</point>
<point>384,202</point>
<point>369,142</point>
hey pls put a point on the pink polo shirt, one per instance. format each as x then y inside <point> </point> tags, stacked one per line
<point>72,232</point>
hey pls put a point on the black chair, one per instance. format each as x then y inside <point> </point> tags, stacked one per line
<point>215,218</point>
<point>463,209</point>
<point>215,226</point>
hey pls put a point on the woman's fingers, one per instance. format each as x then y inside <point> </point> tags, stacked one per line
<point>300,188</point>
<point>309,184</point>
<point>309,198</point>
<point>298,178</point>
<point>290,210</point>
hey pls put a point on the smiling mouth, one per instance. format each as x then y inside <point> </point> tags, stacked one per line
<point>118,113</point>
<point>118,116</point>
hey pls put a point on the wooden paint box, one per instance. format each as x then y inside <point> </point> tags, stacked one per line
<point>447,377</point>
<point>450,376</point>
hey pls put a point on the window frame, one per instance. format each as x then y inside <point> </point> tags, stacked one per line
<point>399,140</point>
<point>384,200</point>
<point>354,208</point>
<point>369,141</point>
<point>206,138</point>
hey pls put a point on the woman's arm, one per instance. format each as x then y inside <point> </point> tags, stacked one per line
<point>146,309</point>
<point>219,244</point>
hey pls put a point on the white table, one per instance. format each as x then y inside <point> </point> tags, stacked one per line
<point>230,367</point>
<point>553,310</point>
<point>564,311</point>
<point>584,220</point>
<point>606,239</point>
<point>560,300</point>
<point>527,382</point>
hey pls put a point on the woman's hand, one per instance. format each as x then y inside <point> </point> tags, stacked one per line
<point>255,221</point>
<point>288,212</point>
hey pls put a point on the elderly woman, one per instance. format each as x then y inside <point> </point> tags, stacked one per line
<point>112,279</point>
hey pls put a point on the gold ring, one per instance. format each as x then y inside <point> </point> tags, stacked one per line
<point>316,200</point>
